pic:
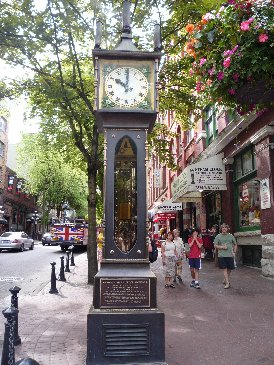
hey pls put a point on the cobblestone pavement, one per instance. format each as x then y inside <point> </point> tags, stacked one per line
<point>210,326</point>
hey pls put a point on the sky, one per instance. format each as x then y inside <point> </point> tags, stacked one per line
<point>17,108</point>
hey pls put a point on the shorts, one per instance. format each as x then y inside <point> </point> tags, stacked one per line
<point>194,263</point>
<point>226,263</point>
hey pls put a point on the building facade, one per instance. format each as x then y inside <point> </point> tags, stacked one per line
<point>225,174</point>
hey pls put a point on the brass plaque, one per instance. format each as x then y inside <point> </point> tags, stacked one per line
<point>125,293</point>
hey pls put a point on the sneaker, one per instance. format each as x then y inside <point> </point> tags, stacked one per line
<point>180,279</point>
<point>172,286</point>
<point>166,286</point>
<point>192,284</point>
<point>197,286</point>
<point>227,286</point>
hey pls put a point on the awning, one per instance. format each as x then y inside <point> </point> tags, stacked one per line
<point>208,174</point>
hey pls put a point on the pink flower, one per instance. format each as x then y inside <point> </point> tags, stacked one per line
<point>263,37</point>
<point>245,26</point>
<point>227,53</point>
<point>211,71</point>
<point>236,77</point>
<point>191,72</point>
<point>202,61</point>
<point>226,62</point>
<point>220,75</point>
<point>235,48</point>
<point>232,91</point>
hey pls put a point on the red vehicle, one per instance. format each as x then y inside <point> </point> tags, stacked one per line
<point>69,234</point>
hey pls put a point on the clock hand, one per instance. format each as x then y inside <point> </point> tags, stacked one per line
<point>127,79</point>
<point>118,81</point>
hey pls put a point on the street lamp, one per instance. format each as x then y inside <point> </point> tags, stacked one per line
<point>35,218</point>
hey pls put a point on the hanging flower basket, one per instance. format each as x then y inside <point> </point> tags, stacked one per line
<point>231,53</point>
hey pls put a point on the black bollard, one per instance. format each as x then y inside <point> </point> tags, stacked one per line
<point>14,303</point>
<point>67,263</point>
<point>72,257</point>
<point>8,354</point>
<point>53,289</point>
<point>62,272</point>
<point>26,361</point>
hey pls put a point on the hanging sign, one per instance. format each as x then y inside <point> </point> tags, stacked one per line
<point>265,194</point>
<point>158,179</point>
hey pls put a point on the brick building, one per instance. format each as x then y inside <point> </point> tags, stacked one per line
<point>225,174</point>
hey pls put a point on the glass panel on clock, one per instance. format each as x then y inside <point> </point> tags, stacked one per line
<point>125,194</point>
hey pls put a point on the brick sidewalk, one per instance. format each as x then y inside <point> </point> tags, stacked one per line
<point>211,326</point>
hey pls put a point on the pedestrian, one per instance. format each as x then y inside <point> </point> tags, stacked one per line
<point>195,244</point>
<point>169,257</point>
<point>226,245</point>
<point>186,233</point>
<point>179,244</point>
<point>152,249</point>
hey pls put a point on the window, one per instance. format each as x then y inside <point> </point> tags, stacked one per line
<point>249,203</point>
<point>247,191</point>
<point>189,135</point>
<point>2,148</point>
<point>244,164</point>
<point>3,124</point>
<point>210,124</point>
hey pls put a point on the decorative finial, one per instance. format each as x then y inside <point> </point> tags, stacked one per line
<point>126,17</point>
<point>98,34</point>
<point>157,38</point>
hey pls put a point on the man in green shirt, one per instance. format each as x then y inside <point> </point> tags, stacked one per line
<point>226,246</point>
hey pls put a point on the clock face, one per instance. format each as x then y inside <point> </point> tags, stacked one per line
<point>126,86</point>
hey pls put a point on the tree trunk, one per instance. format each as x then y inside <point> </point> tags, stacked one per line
<point>92,229</point>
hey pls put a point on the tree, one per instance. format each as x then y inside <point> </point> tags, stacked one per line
<point>49,177</point>
<point>52,43</point>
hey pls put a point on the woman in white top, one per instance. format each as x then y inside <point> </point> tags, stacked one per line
<point>169,256</point>
<point>180,255</point>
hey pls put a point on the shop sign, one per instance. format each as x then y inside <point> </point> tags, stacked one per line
<point>265,194</point>
<point>163,217</point>
<point>169,206</point>
<point>208,174</point>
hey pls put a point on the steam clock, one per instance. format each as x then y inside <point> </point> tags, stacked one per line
<point>124,323</point>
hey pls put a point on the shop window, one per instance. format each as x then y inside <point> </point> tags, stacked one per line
<point>249,204</point>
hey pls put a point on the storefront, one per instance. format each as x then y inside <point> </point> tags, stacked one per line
<point>198,185</point>
<point>251,167</point>
<point>163,223</point>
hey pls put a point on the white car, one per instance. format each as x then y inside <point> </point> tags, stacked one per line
<point>15,241</point>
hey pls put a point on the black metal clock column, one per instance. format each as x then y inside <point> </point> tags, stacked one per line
<point>124,323</point>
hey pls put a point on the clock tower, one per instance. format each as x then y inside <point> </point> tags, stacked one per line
<point>124,324</point>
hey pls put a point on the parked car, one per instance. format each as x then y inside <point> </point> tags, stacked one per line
<point>49,239</point>
<point>16,241</point>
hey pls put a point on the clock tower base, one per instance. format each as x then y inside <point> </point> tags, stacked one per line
<point>126,337</point>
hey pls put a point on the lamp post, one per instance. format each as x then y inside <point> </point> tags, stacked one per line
<point>2,211</point>
<point>35,218</point>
